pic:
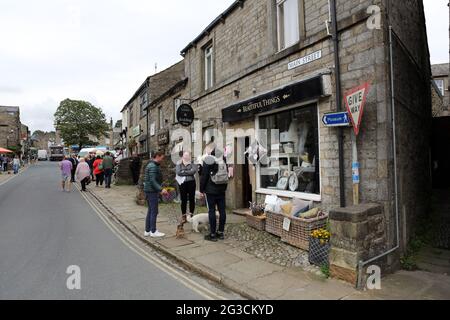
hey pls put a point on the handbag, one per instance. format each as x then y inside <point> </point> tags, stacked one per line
<point>100,166</point>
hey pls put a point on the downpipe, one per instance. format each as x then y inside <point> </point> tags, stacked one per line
<point>361,264</point>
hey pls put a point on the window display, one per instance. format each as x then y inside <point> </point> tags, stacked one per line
<point>293,157</point>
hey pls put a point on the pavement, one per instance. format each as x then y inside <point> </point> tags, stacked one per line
<point>230,264</point>
<point>43,231</point>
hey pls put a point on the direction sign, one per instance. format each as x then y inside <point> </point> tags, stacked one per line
<point>355,100</point>
<point>339,119</point>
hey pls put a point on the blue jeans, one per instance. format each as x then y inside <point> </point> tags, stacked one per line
<point>16,168</point>
<point>152,214</point>
<point>108,176</point>
<point>213,201</point>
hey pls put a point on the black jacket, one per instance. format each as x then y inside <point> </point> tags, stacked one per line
<point>206,184</point>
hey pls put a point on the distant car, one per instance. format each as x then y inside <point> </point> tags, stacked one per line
<point>42,155</point>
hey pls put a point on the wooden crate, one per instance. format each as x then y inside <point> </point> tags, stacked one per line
<point>274,223</point>
<point>300,230</point>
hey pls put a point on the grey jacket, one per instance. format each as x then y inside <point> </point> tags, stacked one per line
<point>188,171</point>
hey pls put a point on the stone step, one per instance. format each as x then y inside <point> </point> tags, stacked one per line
<point>242,212</point>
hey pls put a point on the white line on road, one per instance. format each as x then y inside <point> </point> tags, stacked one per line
<point>177,275</point>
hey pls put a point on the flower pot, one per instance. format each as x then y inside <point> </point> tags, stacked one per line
<point>318,252</point>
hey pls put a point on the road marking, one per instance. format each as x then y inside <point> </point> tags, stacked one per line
<point>171,271</point>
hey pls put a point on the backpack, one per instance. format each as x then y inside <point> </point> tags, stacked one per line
<point>221,176</point>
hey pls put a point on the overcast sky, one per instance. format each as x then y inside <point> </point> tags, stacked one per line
<point>102,50</point>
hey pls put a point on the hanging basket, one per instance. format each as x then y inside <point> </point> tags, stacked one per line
<point>319,252</point>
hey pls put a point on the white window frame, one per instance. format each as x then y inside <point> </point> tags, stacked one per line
<point>281,39</point>
<point>177,102</point>
<point>209,56</point>
<point>161,119</point>
<point>440,83</point>
<point>282,193</point>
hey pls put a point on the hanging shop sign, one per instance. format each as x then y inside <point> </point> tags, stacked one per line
<point>286,96</point>
<point>163,138</point>
<point>185,115</point>
<point>355,100</point>
<point>136,131</point>
<point>338,119</point>
<point>305,60</point>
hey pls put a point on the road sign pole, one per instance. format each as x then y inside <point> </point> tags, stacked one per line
<point>355,169</point>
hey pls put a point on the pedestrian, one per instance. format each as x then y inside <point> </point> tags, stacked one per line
<point>16,164</point>
<point>83,173</point>
<point>213,184</point>
<point>91,166</point>
<point>153,187</point>
<point>98,170</point>
<point>74,162</point>
<point>108,166</point>
<point>5,163</point>
<point>186,171</point>
<point>135,166</point>
<point>66,171</point>
<point>2,159</point>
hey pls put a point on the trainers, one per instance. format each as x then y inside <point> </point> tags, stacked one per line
<point>157,234</point>
<point>220,235</point>
<point>211,237</point>
<point>147,234</point>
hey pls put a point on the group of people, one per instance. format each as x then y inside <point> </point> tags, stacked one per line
<point>98,168</point>
<point>213,177</point>
<point>6,162</point>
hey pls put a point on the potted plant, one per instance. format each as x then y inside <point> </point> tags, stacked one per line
<point>257,218</point>
<point>319,247</point>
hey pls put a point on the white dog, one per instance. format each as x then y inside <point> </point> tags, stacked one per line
<point>201,219</point>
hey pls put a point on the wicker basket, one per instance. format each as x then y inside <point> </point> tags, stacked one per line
<point>301,229</point>
<point>256,222</point>
<point>274,223</point>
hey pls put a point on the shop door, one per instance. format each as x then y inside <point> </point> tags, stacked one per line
<point>243,185</point>
<point>441,153</point>
<point>246,183</point>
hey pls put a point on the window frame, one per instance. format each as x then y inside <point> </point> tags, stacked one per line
<point>283,193</point>
<point>161,119</point>
<point>441,88</point>
<point>143,102</point>
<point>281,39</point>
<point>208,55</point>
<point>177,102</point>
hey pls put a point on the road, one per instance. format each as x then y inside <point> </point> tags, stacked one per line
<point>43,231</point>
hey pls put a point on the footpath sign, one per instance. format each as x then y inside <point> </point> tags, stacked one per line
<point>355,100</point>
<point>338,119</point>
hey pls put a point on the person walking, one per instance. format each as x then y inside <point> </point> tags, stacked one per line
<point>153,187</point>
<point>16,164</point>
<point>186,171</point>
<point>83,173</point>
<point>213,184</point>
<point>5,163</point>
<point>135,166</point>
<point>66,171</point>
<point>2,159</point>
<point>74,162</point>
<point>98,171</point>
<point>91,161</point>
<point>108,166</point>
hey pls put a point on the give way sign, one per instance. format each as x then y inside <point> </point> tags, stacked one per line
<point>355,100</point>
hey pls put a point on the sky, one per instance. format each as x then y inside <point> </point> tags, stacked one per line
<point>102,50</point>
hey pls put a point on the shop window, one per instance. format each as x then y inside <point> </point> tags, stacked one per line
<point>291,142</point>
<point>287,23</point>
<point>209,67</point>
<point>440,85</point>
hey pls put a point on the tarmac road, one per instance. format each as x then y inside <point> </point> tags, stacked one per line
<point>43,231</point>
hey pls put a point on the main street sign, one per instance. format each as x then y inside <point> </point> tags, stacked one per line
<point>338,119</point>
<point>355,100</point>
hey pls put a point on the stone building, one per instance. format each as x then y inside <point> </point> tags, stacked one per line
<point>25,140</point>
<point>10,127</point>
<point>41,140</point>
<point>440,73</point>
<point>268,64</point>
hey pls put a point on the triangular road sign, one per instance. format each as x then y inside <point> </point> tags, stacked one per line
<point>355,100</point>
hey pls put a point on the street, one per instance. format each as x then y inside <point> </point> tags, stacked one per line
<point>43,231</point>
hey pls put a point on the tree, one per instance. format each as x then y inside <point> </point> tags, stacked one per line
<point>78,119</point>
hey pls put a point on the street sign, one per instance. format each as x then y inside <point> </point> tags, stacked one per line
<point>339,119</point>
<point>185,115</point>
<point>355,100</point>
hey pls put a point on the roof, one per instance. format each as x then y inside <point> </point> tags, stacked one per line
<point>220,19</point>
<point>439,70</point>
<point>9,109</point>
<point>173,90</point>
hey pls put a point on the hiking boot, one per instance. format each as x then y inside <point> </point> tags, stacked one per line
<point>220,235</point>
<point>211,237</point>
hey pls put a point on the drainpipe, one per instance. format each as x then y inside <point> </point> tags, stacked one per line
<point>335,37</point>
<point>394,146</point>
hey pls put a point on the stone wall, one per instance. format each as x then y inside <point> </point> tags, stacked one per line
<point>9,121</point>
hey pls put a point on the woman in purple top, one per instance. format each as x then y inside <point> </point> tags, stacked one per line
<point>66,173</point>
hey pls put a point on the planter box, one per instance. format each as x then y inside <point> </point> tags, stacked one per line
<point>319,253</point>
<point>300,230</point>
<point>274,223</point>
<point>256,222</point>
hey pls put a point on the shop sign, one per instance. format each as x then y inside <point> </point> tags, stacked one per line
<point>152,129</point>
<point>288,95</point>
<point>355,100</point>
<point>163,138</point>
<point>338,119</point>
<point>305,60</point>
<point>185,115</point>
<point>136,131</point>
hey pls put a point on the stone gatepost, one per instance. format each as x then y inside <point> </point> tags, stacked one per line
<point>358,234</point>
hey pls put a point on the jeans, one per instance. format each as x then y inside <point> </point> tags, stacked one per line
<point>99,178</point>
<point>152,214</point>
<point>213,201</point>
<point>84,182</point>
<point>16,169</point>
<point>108,176</point>
<point>187,192</point>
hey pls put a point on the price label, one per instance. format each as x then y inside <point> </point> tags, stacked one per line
<point>287,224</point>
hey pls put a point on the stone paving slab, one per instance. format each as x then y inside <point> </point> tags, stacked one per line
<point>217,259</point>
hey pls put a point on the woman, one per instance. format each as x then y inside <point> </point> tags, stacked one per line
<point>98,171</point>
<point>83,173</point>
<point>16,164</point>
<point>186,171</point>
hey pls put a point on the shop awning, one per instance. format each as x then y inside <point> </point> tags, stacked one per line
<point>3,150</point>
<point>282,97</point>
